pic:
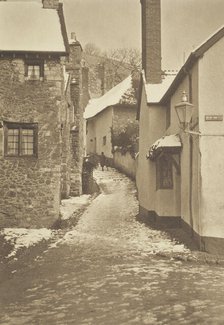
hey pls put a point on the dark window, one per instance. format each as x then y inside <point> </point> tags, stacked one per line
<point>164,173</point>
<point>104,140</point>
<point>20,139</point>
<point>34,70</point>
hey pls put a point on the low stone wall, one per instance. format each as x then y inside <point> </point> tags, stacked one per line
<point>125,163</point>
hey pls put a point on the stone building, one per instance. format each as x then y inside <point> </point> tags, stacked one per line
<point>180,165</point>
<point>79,94</point>
<point>36,113</point>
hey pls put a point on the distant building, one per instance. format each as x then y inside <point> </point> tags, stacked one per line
<point>105,73</point>
<point>108,115</point>
<point>36,113</point>
<point>180,172</point>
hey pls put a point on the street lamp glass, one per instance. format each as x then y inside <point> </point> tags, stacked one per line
<point>184,112</point>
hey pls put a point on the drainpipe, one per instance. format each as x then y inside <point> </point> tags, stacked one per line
<point>191,185</point>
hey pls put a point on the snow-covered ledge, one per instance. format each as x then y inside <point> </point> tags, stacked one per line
<point>169,143</point>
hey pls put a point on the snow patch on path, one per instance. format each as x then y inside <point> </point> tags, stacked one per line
<point>24,238</point>
<point>69,206</point>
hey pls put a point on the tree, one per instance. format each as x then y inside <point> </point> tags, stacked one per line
<point>107,69</point>
<point>127,56</point>
<point>92,49</point>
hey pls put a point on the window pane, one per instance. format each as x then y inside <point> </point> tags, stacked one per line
<point>164,174</point>
<point>27,142</point>
<point>13,142</point>
<point>33,71</point>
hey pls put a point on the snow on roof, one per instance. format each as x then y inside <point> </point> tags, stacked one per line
<point>114,96</point>
<point>26,26</point>
<point>168,141</point>
<point>155,92</point>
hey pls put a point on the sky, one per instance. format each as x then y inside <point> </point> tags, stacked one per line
<point>112,24</point>
<point>117,24</point>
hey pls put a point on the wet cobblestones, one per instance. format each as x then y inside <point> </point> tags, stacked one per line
<point>109,270</point>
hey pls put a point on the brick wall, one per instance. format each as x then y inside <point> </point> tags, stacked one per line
<point>151,40</point>
<point>30,187</point>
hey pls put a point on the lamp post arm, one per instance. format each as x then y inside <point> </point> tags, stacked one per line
<point>203,135</point>
<point>193,132</point>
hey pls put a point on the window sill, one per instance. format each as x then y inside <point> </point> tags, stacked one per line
<point>20,157</point>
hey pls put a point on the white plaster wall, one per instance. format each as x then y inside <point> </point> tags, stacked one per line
<point>187,197</point>
<point>125,163</point>
<point>90,136</point>
<point>151,127</point>
<point>97,128</point>
<point>143,176</point>
<point>211,100</point>
<point>103,125</point>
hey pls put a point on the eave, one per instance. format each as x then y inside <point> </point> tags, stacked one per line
<point>192,59</point>
<point>15,53</point>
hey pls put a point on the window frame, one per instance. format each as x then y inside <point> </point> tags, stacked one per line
<point>40,64</point>
<point>160,164</point>
<point>21,126</point>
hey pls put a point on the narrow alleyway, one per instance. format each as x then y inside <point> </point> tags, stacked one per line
<point>108,271</point>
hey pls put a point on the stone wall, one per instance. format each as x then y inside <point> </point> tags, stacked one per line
<point>79,98</point>
<point>30,186</point>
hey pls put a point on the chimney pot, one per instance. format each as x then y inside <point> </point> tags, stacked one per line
<point>51,4</point>
<point>73,36</point>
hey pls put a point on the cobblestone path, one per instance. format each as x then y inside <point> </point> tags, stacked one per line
<point>106,271</point>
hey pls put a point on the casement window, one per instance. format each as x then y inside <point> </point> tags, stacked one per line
<point>20,139</point>
<point>34,70</point>
<point>104,140</point>
<point>164,173</point>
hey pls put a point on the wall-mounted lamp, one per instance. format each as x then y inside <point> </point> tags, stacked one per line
<point>184,111</point>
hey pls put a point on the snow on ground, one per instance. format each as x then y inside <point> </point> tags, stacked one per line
<point>69,206</point>
<point>109,223</point>
<point>24,238</point>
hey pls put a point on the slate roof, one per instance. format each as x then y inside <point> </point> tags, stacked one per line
<point>28,27</point>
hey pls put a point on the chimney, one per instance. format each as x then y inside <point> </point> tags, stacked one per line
<point>151,40</point>
<point>51,4</point>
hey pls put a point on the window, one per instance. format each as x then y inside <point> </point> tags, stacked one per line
<point>164,173</point>
<point>104,140</point>
<point>20,139</point>
<point>34,70</point>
